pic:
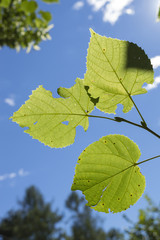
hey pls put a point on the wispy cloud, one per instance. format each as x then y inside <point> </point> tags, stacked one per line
<point>97,4</point>
<point>10,101</point>
<point>20,173</point>
<point>155,62</point>
<point>154,85</point>
<point>129,11</point>
<point>90,17</point>
<point>112,9</point>
<point>78,5</point>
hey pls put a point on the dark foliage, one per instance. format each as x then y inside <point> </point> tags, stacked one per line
<point>23,24</point>
<point>34,220</point>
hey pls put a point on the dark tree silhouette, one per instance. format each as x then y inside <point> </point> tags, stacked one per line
<point>85,226</point>
<point>34,220</point>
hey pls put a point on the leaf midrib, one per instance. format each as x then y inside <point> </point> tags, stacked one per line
<point>113,69</point>
<point>46,114</point>
<point>110,176</point>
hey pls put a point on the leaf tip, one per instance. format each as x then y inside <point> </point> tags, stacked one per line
<point>92,31</point>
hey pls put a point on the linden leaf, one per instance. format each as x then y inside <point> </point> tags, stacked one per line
<point>116,70</point>
<point>29,7</point>
<point>107,174</point>
<point>53,121</point>
<point>47,16</point>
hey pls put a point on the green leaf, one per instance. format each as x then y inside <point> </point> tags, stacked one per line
<point>107,174</point>
<point>5,3</point>
<point>50,1</point>
<point>47,16</point>
<point>53,121</point>
<point>39,22</point>
<point>158,17</point>
<point>116,70</point>
<point>29,7</point>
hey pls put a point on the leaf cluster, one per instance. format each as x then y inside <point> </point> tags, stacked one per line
<point>23,24</point>
<point>107,171</point>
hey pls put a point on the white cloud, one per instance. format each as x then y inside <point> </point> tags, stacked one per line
<point>12,175</point>
<point>78,5</point>
<point>97,4</point>
<point>154,85</point>
<point>21,173</point>
<point>130,11</point>
<point>3,177</point>
<point>155,62</point>
<point>115,9</point>
<point>112,9</point>
<point>10,101</point>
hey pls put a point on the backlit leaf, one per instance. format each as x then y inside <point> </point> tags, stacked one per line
<point>46,15</point>
<point>116,70</point>
<point>5,3</point>
<point>53,121</point>
<point>29,7</point>
<point>107,175</point>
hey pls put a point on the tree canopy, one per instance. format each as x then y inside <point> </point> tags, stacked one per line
<point>33,220</point>
<point>86,226</point>
<point>148,225</point>
<point>23,24</point>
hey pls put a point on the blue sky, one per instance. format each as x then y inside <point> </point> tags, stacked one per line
<point>59,62</point>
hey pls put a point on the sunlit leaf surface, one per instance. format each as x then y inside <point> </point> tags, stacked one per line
<point>107,175</point>
<point>116,70</point>
<point>53,121</point>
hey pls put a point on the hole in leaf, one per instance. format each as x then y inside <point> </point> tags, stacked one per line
<point>93,100</point>
<point>35,123</point>
<point>25,128</point>
<point>65,122</point>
